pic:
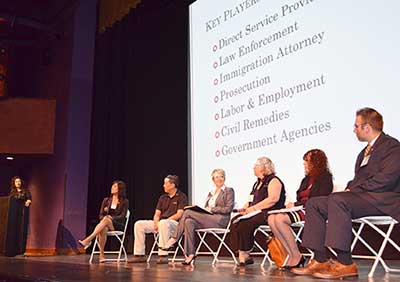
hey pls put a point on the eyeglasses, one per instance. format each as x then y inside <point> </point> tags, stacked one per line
<point>356,126</point>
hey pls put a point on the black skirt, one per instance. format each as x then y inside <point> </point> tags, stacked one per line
<point>119,224</point>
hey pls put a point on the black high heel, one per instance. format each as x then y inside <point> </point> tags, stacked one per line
<point>189,262</point>
<point>246,262</point>
<point>301,263</point>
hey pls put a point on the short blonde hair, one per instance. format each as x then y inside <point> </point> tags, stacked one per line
<point>219,171</point>
<point>266,163</point>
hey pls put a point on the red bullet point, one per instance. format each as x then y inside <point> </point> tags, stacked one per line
<point>216,99</point>
<point>215,65</point>
<point>215,81</point>
<point>216,116</point>
<point>217,153</point>
<point>217,134</point>
<point>215,48</point>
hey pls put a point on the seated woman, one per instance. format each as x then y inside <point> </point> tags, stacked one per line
<point>112,217</point>
<point>317,182</point>
<point>21,200</point>
<point>220,202</point>
<point>268,193</point>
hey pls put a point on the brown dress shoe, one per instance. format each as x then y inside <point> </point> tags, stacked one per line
<point>137,259</point>
<point>310,268</point>
<point>337,270</point>
<point>162,260</point>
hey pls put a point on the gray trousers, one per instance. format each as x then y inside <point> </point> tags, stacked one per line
<point>339,209</point>
<point>191,220</point>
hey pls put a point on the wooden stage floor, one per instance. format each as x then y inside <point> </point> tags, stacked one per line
<point>77,268</point>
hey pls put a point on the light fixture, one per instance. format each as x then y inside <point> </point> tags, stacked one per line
<point>10,158</point>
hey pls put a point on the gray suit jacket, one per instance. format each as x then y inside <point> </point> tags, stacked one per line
<point>223,205</point>
<point>378,182</point>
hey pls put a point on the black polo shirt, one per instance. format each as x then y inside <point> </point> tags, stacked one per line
<point>170,205</point>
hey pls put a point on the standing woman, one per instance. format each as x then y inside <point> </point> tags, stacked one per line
<point>20,201</point>
<point>268,193</point>
<point>112,217</point>
<point>317,182</point>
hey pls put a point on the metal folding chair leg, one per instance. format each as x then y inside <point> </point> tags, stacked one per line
<point>264,229</point>
<point>120,236</point>
<point>374,222</point>
<point>154,249</point>
<point>220,234</point>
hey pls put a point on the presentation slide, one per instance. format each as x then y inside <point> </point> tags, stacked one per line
<point>278,78</point>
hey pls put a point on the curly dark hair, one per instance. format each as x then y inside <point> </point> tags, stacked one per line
<point>318,161</point>
<point>12,183</point>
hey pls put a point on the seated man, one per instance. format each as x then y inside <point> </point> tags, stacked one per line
<point>168,212</point>
<point>374,191</point>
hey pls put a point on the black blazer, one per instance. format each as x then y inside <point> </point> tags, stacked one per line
<point>322,186</point>
<point>120,211</point>
<point>378,182</point>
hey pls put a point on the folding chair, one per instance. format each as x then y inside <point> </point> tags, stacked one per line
<point>120,235</point>
<point>297,236</point>
<point>265,230</point>
<point>374,222</point>
<point>220,234</point>
<point>154,248</point>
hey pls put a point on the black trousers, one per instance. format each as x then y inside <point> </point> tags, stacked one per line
<point>242,232</point>
<point>338,209</point>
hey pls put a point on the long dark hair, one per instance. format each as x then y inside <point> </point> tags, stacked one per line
<point>318,161</point>
<point>12,184</point>
<point>121,189</point>
<point>13,190</point>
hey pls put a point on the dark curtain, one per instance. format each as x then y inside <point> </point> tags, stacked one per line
<point>139,119</point>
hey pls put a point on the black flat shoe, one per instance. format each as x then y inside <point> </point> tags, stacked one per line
<point>189,262</point>
<point>246,262</point>
<point>301,263</point>
<point>169,249</point>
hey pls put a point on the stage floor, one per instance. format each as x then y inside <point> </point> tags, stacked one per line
<point>77,268</point>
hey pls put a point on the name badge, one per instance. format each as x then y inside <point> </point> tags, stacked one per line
<point>251,198</point>
<point>365,161</point>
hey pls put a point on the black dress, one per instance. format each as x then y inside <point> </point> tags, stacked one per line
<point>118,214</point>
<point>18,219</point>
<point>242,232</point>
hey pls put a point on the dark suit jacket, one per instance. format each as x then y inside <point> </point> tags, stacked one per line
<point>322,186</point>
<point>120,211</point>
<point>378,182</point>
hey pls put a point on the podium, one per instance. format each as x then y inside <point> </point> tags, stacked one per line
<point>14,217</point>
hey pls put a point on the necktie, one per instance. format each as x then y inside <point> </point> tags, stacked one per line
<point>367,150</point>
